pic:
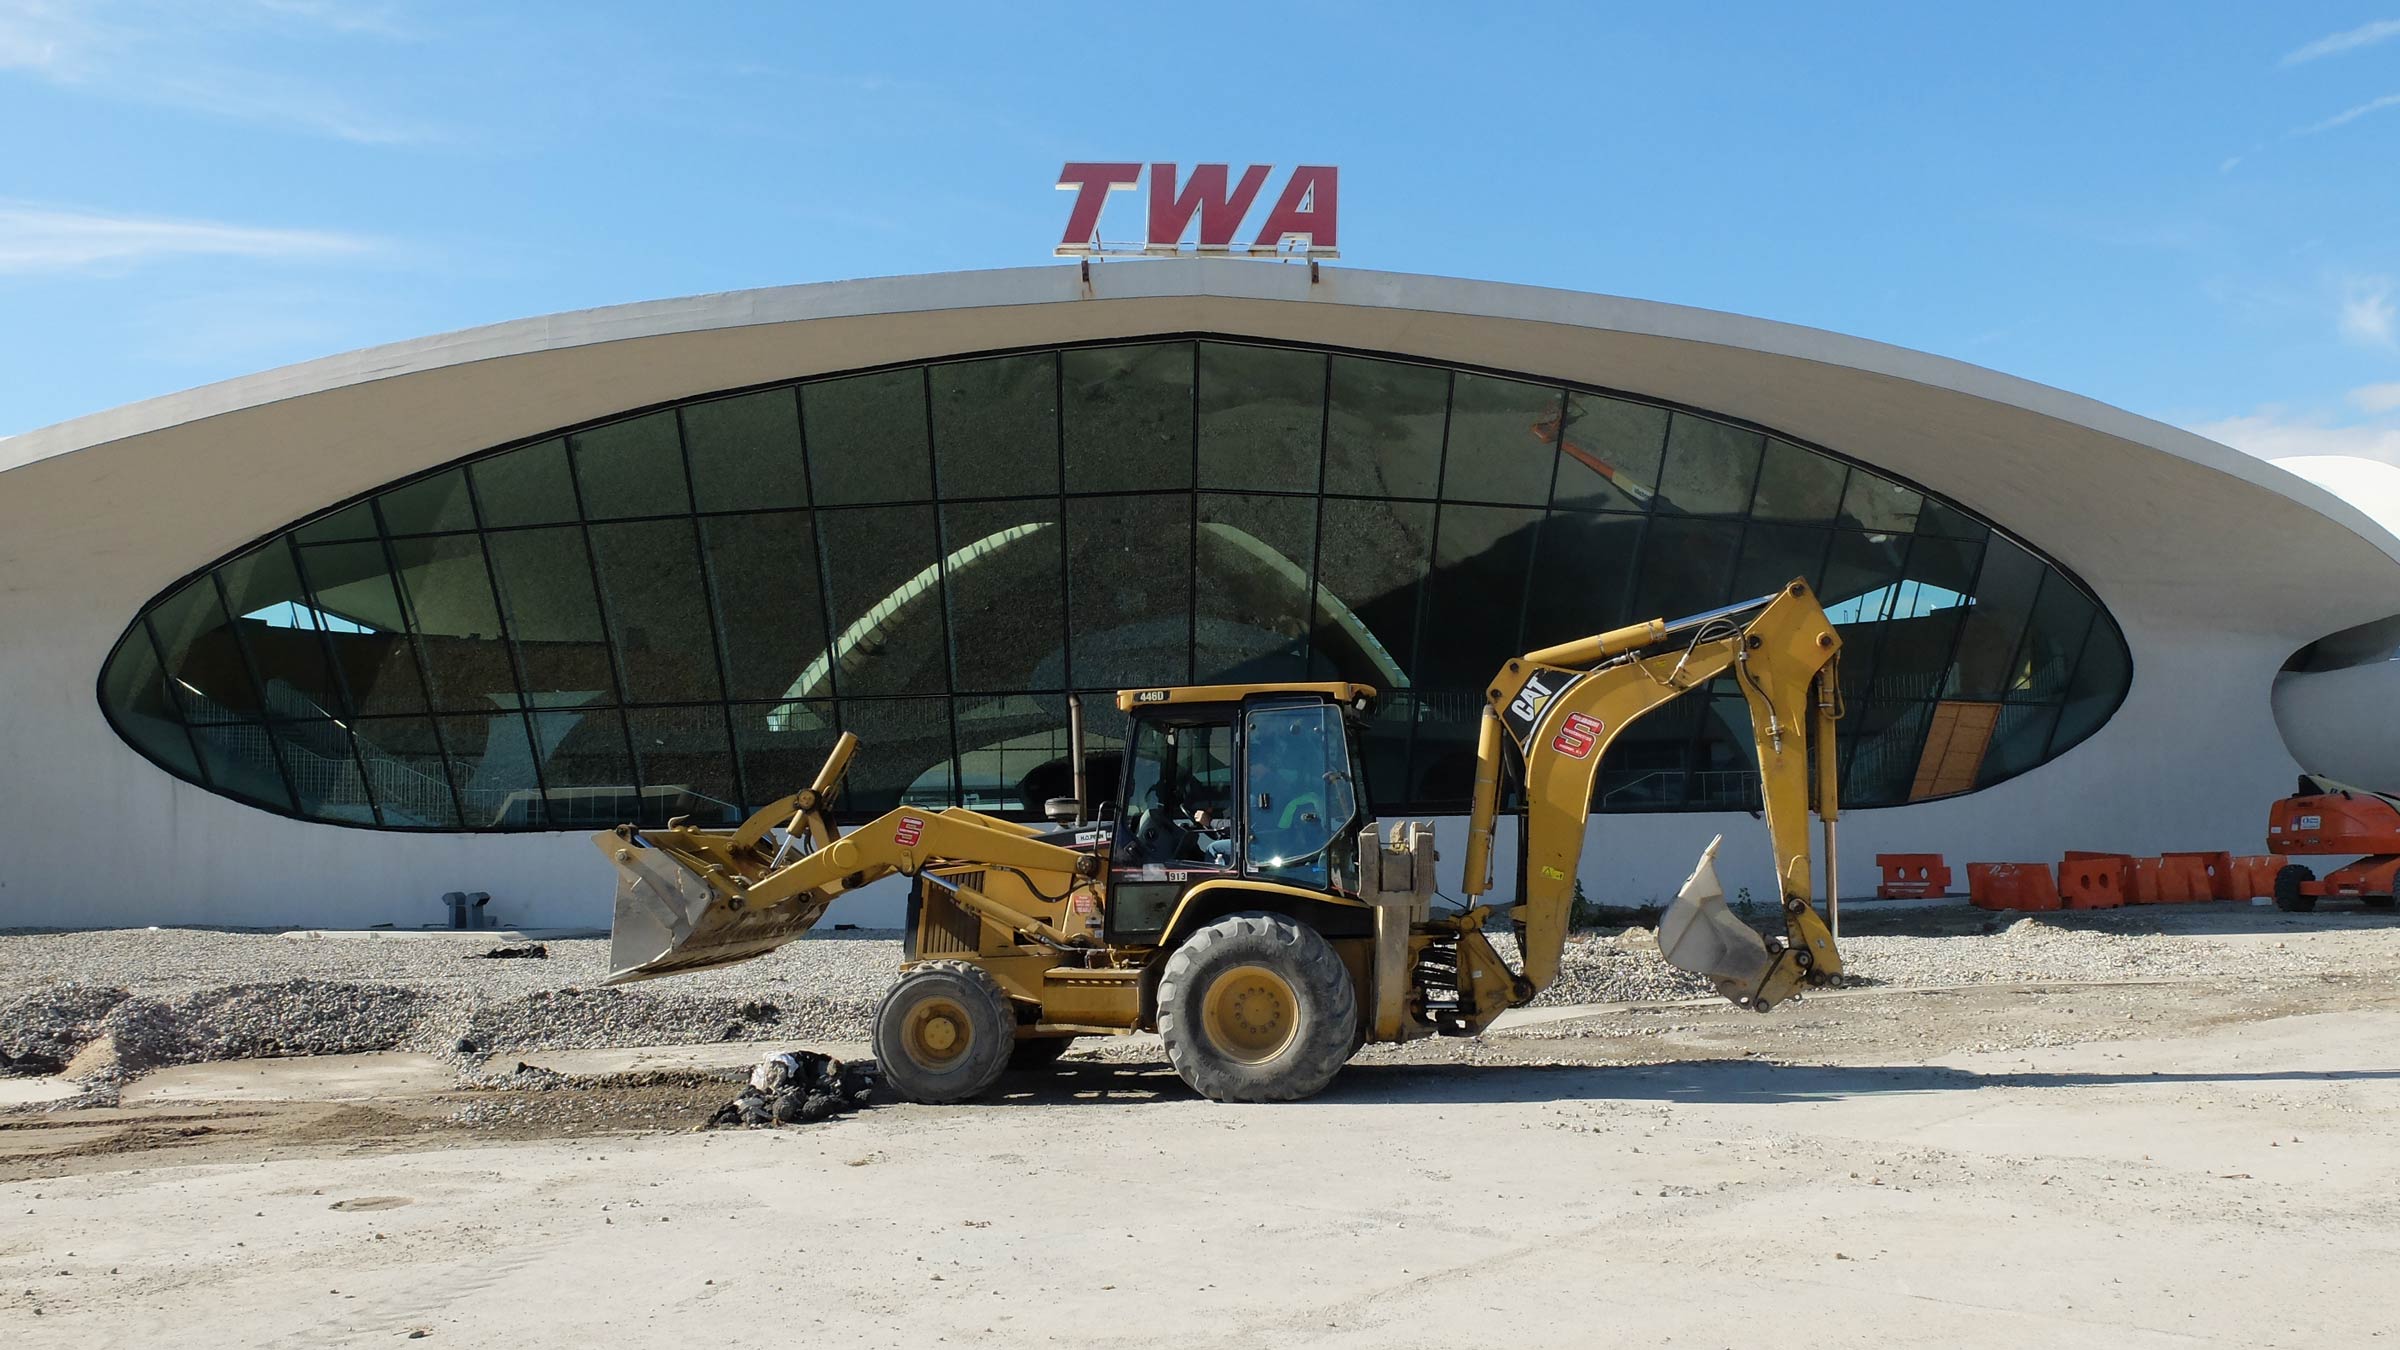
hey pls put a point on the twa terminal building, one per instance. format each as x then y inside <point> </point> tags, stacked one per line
<point>319,645</point>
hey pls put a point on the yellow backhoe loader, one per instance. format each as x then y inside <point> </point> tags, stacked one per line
<point>1237,898</point>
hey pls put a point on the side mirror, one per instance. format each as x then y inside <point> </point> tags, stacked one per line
<point>1062,810</point>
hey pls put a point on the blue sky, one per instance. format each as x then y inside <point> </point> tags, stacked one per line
<point>2187,210</point>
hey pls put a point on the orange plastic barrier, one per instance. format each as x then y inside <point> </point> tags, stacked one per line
<point>2142,885</point>
<point>1912,876</point>
<point>2011,886</point>
<point>2186,878</point>
<point>2254,875</point>
<point>2094,880</point>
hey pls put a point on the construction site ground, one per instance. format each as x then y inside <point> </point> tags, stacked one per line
<point>2202,1154</point>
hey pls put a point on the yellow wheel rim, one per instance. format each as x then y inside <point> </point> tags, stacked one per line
<point>936,1033</point>
<point>1250,1013</point>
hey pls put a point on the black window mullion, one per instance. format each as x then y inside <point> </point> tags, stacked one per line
<point>716,631</point>
<point>158,653</point>
<point>941,567</point>
<point>1433,561</point>
<point>608,636</point>
<point>1958,638</point>
<point>1066,593</point>
<point>2066,688</point>
<point>508,632</point>
<point>816,540</point>
<point>1191,559</point>
<point>1316,547</point>
<point>416,647</point>
<point>1873,655</point>
<point>1533,556</point>
<point>258,687</point>
<point>341,679</point>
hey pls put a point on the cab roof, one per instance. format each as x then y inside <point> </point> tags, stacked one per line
<point>1333,691</point>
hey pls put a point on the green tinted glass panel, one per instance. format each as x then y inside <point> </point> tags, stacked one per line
<point>1371,564</point>
<point>531,486</point>
<point>1262,417</point>
<point>545,580</point>
<point>745,452</point>
<point>136,694</point>
<point>1608,453</point>
<point>995,426</point>
<point>430,505</point>
<point>1384,429</point>
<point>1711,467</point>
<point>457,621</point>
<point>1128,417</point>
<point>206,673</point>
<point>684,758</point>
<point>767,605</point>
<point>867,438</point>
<point>1798,485</point>
<point>1129,567</point>
<point>1006,594</point>
<point>657,610</point>
<point>1873,503</point>
<point>886,589</point>
<point>1503,440</point>
<point>1252,604</point>
<point>631,468</point>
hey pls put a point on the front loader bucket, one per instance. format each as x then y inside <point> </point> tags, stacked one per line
<point>1699,934</point>
<point>670,920</point>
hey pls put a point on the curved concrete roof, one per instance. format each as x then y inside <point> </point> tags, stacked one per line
<point>2172,529</point>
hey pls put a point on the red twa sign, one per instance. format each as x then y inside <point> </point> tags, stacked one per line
<point>1300,224</point>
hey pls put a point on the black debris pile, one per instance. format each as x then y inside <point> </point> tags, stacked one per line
<point>795,1087</point>
<point>31,1064</point>
<point>531,951</point>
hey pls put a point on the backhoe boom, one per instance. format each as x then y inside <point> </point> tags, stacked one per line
<point>1551,715</point>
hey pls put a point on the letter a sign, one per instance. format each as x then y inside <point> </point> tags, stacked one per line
<point>1210,204</point>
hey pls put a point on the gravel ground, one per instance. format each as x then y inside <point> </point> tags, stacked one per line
<point>185,995</point>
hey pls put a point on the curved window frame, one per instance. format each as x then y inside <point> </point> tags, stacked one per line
<point>186,740</point>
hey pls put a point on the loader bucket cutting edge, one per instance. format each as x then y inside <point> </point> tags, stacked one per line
<point>1699,934</point>
<point>669,920</point>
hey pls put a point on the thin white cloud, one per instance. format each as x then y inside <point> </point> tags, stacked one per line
<point>2348,40</point>
<point>169,56</point>
<point>2376,398</point>
<point>2348,115</point>
<point>2367,314</point>
<point>2275,433</point>
<point>45,240</point>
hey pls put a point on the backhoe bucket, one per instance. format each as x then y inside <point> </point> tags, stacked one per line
<point>669,919</point>
<point>1699,934</point>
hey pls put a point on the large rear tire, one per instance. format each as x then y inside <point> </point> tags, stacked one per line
<point>944,1033</point>
<point>2287,890</point>
<point>2376,901</point>
<point>1256,1008</point>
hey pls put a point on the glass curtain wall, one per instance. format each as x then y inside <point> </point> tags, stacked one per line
<point>673,614</point>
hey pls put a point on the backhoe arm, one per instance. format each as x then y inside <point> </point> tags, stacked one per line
<point>1555,721</point>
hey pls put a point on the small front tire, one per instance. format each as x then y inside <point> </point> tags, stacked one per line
<point>2287,890</point>
<point>944,1033</point>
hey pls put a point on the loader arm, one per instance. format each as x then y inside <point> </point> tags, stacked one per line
<point>1552,715</point>
<point>692,899</point>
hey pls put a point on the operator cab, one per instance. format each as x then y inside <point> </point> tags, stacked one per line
<point>1229,782</point>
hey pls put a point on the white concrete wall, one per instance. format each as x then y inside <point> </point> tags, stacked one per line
<point>2344,724</point>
